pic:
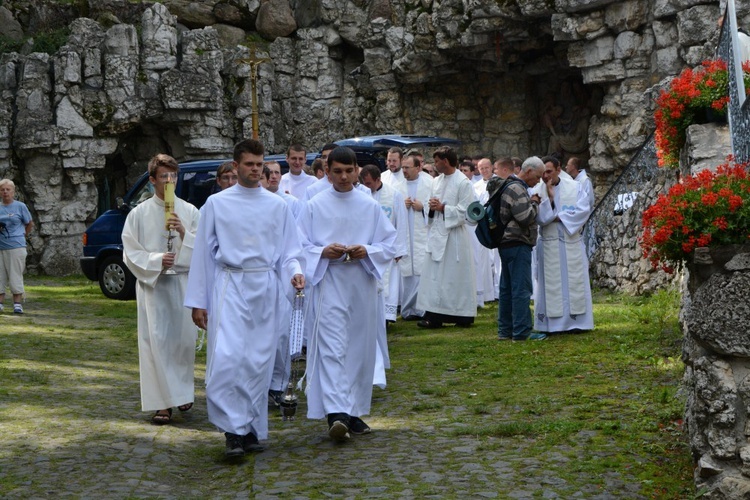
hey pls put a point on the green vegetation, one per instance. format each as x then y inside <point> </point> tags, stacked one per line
<point>463,414</point>
<point>48,42</point>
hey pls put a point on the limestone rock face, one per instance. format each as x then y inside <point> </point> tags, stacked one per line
<point>506,78</point>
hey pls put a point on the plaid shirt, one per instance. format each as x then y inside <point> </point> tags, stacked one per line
<point>518,214</point>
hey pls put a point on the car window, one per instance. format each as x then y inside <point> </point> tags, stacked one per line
<point>144,193</point>
<point>198,186</point>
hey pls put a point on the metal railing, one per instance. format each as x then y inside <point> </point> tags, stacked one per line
<point>739,108</point>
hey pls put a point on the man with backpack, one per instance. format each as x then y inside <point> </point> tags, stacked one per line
<point>517,211</point>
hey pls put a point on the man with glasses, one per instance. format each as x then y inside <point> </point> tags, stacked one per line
<point>166,335</point>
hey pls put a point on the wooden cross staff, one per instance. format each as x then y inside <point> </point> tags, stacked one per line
<point>254,62</point>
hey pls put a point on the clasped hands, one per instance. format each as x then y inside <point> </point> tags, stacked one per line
<point>436,205</point>
<point>335,251</point>
<point>415,204</point>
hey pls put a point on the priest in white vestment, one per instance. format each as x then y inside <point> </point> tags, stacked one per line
<point>447,287</point>
<point>562,301</point>
<point>393,174</point>
<point>247,255</point>
<point>295,181</point>
<point>483,256</point>
<point>348,244</point>
<point>573,167</point>
<point>166,335</point>
<point>416,192</point>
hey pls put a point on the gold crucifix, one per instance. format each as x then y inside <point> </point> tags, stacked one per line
<point>254,62</point>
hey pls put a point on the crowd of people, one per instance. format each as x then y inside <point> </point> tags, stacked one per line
<point>365,246</point>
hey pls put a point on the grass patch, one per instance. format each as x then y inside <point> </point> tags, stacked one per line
<point>463,415</point>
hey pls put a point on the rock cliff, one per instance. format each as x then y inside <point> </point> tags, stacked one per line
<point>507,77</point>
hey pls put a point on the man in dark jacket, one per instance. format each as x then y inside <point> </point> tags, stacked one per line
<point>518,212</point>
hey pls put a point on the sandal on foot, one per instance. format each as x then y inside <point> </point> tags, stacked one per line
<point>185,407</point>
<point>162,418</point>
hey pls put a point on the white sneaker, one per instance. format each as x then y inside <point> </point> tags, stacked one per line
<point>1,308</point>
<point>17,309</point>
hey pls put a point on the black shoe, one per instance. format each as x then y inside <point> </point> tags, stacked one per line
<point>251,445</point>
<point>413,317</point>
<point>274,398</point>
<point>358,426</point>
<point>429,324</point>
<point>235,446</point>
<point>338,426</point>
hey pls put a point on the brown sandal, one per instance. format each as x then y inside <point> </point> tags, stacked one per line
<point>160,418</point>
<point>185,407</point>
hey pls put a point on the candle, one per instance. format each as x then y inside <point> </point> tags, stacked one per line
<point>168,202</point>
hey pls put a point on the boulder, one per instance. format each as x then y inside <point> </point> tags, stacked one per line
<point>275,19</point>
<point>230,36</point>
<point>9,27</point>
<point>192,14</point>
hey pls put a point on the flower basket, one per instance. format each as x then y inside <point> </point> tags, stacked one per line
<point>689,98</point>
<point>705,209</point>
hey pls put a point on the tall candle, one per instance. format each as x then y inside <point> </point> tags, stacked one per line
<point>168,202</point>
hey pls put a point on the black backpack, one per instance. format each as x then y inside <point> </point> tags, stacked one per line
<point>490,229</point>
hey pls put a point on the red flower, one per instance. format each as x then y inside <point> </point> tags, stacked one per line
<point>705,87</point>
<point>720,223</point>
<point>708,208</point>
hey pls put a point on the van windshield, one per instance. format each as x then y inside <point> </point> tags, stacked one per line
<point>143,194</point>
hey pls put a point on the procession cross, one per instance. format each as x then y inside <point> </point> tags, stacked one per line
<point>254,62</point>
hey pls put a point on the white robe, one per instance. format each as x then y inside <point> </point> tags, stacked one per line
<point>563,296</point>
<point>296,184</point>
<point>166,333</point>
<point>448,282</point>
<point>588,187</point>
<point>246,252</point>
<point>392,204</point>
<point>316,187</point>
<point>410,266</point>
<point>342,345</point>
<point>282,364</point>
<point>483,255</point>
<point>392,178</point>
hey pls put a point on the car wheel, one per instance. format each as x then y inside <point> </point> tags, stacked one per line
<point>115,280</point>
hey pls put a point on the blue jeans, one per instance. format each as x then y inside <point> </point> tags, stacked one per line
<point>514,304</point>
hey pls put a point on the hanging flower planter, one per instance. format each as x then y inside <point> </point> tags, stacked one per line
<point>695,96</point>
<point>707,209</point>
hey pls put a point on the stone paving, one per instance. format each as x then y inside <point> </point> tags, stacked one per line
<point>71,427</point>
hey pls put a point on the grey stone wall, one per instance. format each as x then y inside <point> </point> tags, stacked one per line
<point>506,78</point>
<point>717,375</point>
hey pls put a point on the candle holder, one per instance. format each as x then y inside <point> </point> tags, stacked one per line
<point>169,188</point>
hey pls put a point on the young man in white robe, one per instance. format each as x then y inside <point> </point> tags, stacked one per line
<point>447,287</point>
<point>166,335</point>
<point>348,244</point>
<point>282,364</point>
<point>392,204</point>
<point>416,192</point>
<point>247,255</point>
<point>295,181</point>
<point>562,301</point>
